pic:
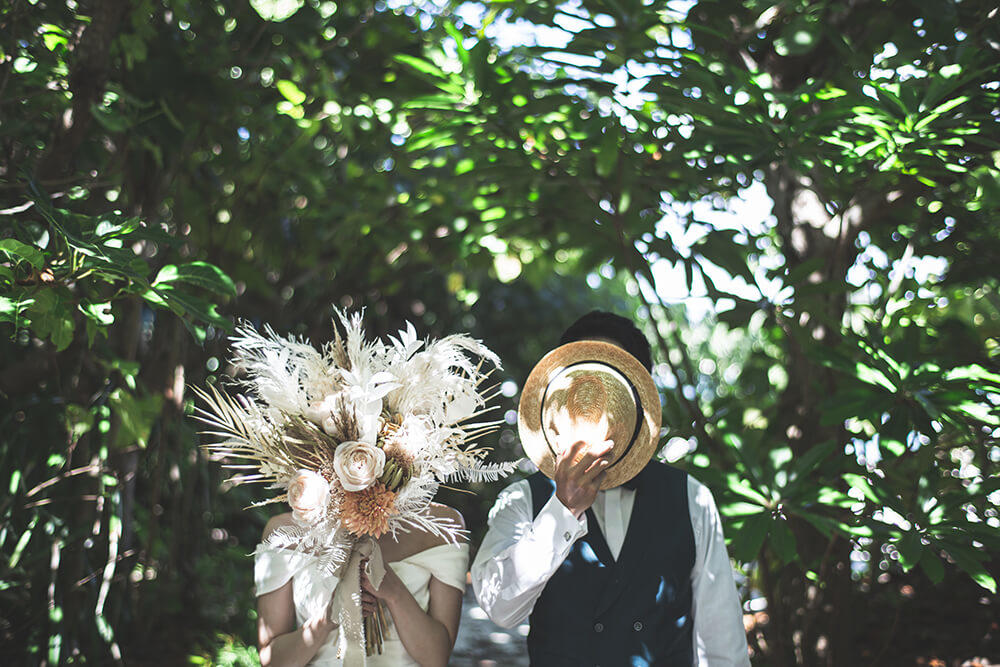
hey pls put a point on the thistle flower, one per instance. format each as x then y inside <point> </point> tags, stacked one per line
<point>367,512</point>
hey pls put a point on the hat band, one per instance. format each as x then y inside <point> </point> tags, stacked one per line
<point>640,413</point>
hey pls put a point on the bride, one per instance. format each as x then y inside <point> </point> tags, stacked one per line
<point>360,435</point>
<point>422,589</point>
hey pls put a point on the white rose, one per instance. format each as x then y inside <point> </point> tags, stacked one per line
<point>330,426</point>
<point>308,494</point>
<point>318,411</point>
<point>358,464</point>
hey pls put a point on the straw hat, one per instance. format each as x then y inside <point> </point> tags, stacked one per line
<point>595,391</point>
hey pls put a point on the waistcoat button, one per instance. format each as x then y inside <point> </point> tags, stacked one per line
<point>598,627</point>
<point>637,626</point>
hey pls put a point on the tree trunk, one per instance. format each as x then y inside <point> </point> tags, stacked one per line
<point>87,78</point>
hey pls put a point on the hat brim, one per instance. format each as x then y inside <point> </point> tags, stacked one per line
<point>529,414</point>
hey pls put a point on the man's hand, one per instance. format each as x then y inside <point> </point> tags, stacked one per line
<point>579,472</point>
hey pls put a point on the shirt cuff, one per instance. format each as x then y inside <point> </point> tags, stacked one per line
<point>556,525</point>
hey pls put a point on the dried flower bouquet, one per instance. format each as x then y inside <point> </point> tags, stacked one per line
<point>359,435</point>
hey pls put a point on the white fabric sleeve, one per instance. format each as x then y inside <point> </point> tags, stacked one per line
<point>719,638</point>
<point>519,554</point>
<point>448,563</point>
<point>273,567</point>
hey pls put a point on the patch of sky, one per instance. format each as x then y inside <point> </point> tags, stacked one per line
<point>684,224</point>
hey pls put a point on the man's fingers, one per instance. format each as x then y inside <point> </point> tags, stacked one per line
<point>594,454</point>
<point>571,453</point>
<point>596,469</point>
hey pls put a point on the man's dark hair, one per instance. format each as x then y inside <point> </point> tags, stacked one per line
<point>602,324</point>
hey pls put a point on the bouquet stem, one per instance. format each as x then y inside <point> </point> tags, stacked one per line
<point>376,629</point>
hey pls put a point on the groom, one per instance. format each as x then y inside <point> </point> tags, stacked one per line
<point>633,575</point>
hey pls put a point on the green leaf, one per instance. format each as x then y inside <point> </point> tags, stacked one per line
<point>803,270</point>
<point>61,333</point>
<point>827,495</point>
<point>910,549</point>
<point>11,310</point>
<point>721,248</point>
<point>110,118</point>
<point>873,376</point>
<point>99,313</point>
<point>740,509</point>
<point>136,417</point>
<point>742,487</point>
<point>463,53</point>
<point>974,372</point>
<point>939,111</point>
<point>290,91</point>
<point>892,445</point>
<point>969,561</point>
<point>863,485</point>
<point>50,318</point>
<point>79,420</point>
<point>420,65</point>
<point>276,10</point>
<point>607,155</point>
<point>190,308</point>
<point>783,540</point>
<point>805,464</point>
<point>442,102</point>
<point>53,36</point>
<point>201,274</point>
<point>21,251</point>
<point>932,566</point>
<point>824,525</point>
<point>747,539</point>
<point>22,542</point>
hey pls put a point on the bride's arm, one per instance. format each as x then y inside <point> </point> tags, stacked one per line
<point>428,636</point>
<point>280,642</point>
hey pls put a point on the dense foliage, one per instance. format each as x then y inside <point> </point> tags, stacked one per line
<point>820,176</point>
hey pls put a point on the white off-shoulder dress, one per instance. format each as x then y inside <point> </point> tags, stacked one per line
<point>311,589</point>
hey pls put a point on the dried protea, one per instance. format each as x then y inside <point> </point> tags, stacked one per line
<point>367,512</point>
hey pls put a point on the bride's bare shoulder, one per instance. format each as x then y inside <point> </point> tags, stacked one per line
<point>448,514</point>
<point>276,522</point>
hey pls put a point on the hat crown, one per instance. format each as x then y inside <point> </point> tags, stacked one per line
<point>592,391</point>
<point>590,401</point>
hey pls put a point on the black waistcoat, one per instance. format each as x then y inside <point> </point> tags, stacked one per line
<point>635,611</point>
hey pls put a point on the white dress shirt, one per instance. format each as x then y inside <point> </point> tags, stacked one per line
<point>520,553</point>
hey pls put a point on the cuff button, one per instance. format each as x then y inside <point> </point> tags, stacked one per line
<point>567,536</point>
<point>637,626</point>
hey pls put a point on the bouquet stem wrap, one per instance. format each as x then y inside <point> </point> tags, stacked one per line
<point>345,605</point>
